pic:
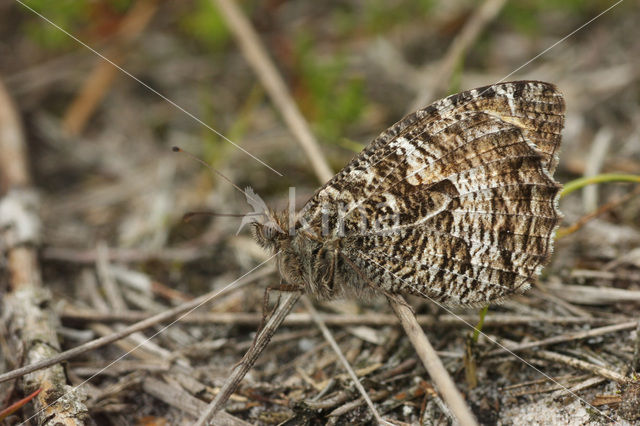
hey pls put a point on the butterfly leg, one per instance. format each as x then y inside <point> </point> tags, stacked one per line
<point>325,266</point>
<point>328,280</point>
<point>282,288</point>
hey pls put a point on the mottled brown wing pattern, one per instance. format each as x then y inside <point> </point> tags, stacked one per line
<point>426,136</point>
<point>460,192</point>
<point>486,238</point>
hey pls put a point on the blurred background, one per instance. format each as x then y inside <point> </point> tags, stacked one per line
<point>99,141</point>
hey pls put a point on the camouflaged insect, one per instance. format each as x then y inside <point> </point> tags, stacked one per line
<point>455,202</point>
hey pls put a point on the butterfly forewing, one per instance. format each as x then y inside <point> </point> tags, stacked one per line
<point>456,201</point>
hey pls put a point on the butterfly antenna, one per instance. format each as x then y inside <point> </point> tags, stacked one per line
<point>208,166</point>
<point>190,215</point>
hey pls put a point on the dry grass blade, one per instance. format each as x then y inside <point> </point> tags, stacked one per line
<point>594,295</point>
<point>566,338</point>
<point>100,79</point>
<point>445,385</point>
<point>583,365</point>
<point>371,319</point>
<point>438,84</point>
<point>256,55</point>
<point>261,341</point>
<point>329,338</point>
<point>155,319</point>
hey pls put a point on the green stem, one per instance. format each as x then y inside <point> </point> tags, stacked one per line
<point>478,328</point>
<point>589,180</point>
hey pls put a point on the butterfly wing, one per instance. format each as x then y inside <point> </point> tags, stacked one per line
<point>456,202</point>
<point>536,108</point>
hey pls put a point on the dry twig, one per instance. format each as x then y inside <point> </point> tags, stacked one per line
<point>445,385</point>
<point>256,55</point>
<point>372,319</point>
<point>587,383</point>
<point>565,338</point>
<point>439,84</point>
<point>31,322</point>
<point>262,339</point>
<point>182,400</point>
<point>583,365</point>
<point>97,84</point>
<point>589,295</point>
<point>156,319</point>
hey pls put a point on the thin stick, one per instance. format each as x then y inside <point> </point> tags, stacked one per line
<point>256,55</point>
<point>591,381</point>
<point>565,338</point>
<point>182,400</point>
<point>300,319</point>
<point>563,232</point>
<point>98,82</point>
<point>156,319</point>
<point>262,339</point>
<point>429,357</point>
<point>484,14</point>
<point>329,338</point>
<point>583,365</point>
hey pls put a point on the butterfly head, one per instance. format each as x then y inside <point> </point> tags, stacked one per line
<point>268,227</point>
<point>268,232</point>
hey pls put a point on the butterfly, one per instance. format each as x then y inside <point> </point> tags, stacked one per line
<point>455,203</point>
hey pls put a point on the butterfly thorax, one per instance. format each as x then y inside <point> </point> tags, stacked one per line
<point>309,261</point>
